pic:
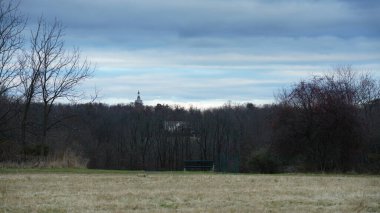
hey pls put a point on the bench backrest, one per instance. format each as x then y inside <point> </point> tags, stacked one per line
<point>201,165</point>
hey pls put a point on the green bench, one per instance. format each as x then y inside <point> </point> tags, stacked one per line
<point>198,165</point>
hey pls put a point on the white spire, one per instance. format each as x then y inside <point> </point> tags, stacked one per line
<point>138,101</point>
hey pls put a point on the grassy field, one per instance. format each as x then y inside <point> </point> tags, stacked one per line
<point>70,190</point>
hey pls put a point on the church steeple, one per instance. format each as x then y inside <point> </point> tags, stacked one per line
<point>138,101</point>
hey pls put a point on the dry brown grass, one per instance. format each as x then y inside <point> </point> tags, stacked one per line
<point>169,192</point>
<point>66,159</point>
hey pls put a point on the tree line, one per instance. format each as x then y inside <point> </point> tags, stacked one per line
<point>327,123</point>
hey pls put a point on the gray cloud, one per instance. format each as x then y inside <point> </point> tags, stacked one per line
<point>203,50</point>
<point>195,18</point>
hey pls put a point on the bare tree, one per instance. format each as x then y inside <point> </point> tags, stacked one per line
<point>320,119</point>
<point>58,70</point>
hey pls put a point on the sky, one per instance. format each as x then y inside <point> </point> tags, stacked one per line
<point>205,53</point>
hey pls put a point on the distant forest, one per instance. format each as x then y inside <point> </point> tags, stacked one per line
<point>327,123</point>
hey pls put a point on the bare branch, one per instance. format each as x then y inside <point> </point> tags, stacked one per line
<point>12,23</point>
<point>58,71</point>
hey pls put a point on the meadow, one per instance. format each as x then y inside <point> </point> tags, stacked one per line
<point>83,190</point>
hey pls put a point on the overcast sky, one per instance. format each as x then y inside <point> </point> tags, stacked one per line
<point>206,52</point>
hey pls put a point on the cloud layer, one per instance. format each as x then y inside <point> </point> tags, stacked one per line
<point>211,51</point>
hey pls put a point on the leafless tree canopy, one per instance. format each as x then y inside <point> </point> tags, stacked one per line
<point>60,70</point>
<point>12,24</point>
<point>321,120</point>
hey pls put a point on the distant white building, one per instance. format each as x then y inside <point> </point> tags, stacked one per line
<point>173,126</point>
<point>138,101</point>
<point>181,128</point>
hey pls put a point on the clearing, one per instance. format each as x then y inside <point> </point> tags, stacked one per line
<point>81,190</point>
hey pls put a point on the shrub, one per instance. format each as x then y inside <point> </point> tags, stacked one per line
<point>262,161</point>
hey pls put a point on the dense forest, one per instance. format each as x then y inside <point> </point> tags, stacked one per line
<point>327,123</point>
